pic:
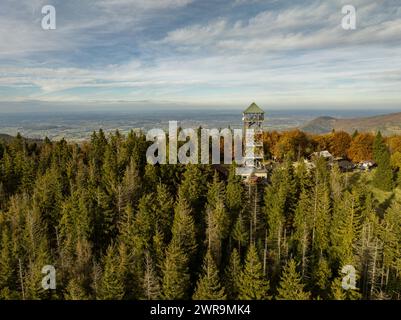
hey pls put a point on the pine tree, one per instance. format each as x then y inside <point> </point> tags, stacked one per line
<point>280,202</point>
<point>240,233</point>
<point>390,235</point>
<point>159,247</point>
<point>164,211</point>
<point>192,187</point>
<point>303,223</point>
<point>150,284</point>
<point>337,184</point>
<point>47,197</point>
<point>130,270</point>
<point>75,222</point>
<point>176,277</point>
<point>34,276</point>
<point>150,178</point>
<point>275,207</point>
<point>143,226</point>
<point>232,275</point>
<point>320,208</point>
<point>234,192</point>
<point>130,186</point>
<point>383,178</point>
<point>7,266</point>
<point>378,146</point>
<point>112,286</point>
<point>321,278</point>
<point>126,226</point>
<point>8,175</point>
<point>253,285</point>
<point>3,196</point>
<point>339,293</point>
<point>208,286</point>
<point>290,287</point>
<point>35,252</point>
<point>215,191</point>
<point>183,230</point>
<point>217,228</point>
<point>75,290</point>
<point>342,232</point>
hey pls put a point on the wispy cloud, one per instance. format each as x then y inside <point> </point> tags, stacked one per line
<point>186,50</point>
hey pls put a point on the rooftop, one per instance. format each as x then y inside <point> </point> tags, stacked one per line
<point>253,108</point>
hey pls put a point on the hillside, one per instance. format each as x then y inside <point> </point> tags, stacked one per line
<point>5,137</point>
<point>388,124</point>
<point>8,138</point>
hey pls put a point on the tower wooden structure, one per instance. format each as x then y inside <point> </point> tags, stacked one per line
<point>253,118</point>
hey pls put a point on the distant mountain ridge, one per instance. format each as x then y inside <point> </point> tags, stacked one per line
<point>388,124</point>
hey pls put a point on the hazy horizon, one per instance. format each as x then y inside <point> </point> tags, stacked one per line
<point>79,124</point>
<point>145,106</point>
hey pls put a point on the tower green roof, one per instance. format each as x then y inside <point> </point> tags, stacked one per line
<point>253,108</point>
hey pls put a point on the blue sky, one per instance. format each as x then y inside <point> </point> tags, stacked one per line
<point>202,52</point>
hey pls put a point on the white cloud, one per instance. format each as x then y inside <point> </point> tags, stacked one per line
<point>78,23</point>
<point>286,55</point>
<point>314,26</point>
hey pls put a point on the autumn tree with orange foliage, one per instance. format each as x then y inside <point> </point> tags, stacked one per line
<point>270,139</point>
<point>394,143</point>
<point>322,141</point>
<point>361,147</point>
<point>339,143</point>
<point>293,144</point>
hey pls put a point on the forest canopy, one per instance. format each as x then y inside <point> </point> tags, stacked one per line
<point>115,227</point>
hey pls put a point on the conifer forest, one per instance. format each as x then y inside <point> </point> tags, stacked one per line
<point>115,227</point>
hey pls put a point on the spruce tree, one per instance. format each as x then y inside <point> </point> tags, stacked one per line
<point>339,293</point>
<point>303,223</point>
<point>164,211</point>
<point>176,276</point>
<point>232,275</point>
<point>234,192</point>
<point>112,285</point>
<point>321,276</point>
<point>342,231</point>
<point>143,225</point>
<point>183,229</point>
<point>215,191</point>
<point>131,185</point>
<point>192,187</point>
<point>75,290</point>
<point>291,287</point>
<point>378,146</point>
<point>208,286</point>
<point>33,274</point>
<point>253,284</point>
<point>7,266</point>
<point>383,177</point>
<point>240,233</point>
<point>390,236</point>
<point>217,228</point>
<point>275,207</point>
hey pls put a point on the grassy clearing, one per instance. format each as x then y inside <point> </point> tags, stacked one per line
<point>382,198</point>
